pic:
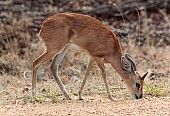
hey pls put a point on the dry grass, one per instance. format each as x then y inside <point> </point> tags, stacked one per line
<point>17,89</point>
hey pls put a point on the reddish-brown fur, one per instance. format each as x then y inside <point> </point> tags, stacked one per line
<point>83,27</point>
<point>89,34</point>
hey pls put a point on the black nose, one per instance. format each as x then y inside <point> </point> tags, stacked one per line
<point>138,97</point>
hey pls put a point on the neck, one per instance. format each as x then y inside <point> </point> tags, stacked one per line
<point>116,64</point>
<point>116,61</point>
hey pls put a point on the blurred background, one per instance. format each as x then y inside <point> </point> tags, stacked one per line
<point>142,26</point>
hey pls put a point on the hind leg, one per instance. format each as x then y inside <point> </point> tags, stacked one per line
<point>36,63</point>
<point>89,67</point>
<point>54,69</point>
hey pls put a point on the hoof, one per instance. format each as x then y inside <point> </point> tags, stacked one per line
<point>66,95</point>
<point>81,99</point>
<point>111,98</point>
<point>66,98</point>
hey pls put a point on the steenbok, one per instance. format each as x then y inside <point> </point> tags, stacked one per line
<point>61,30</point>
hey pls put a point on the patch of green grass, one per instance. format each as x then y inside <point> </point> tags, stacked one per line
<point>48,95</point>
<point>27,99</point>
<point>40,99</point>
<point>52,93</point>
<point>75,93</point>
<point>55,100</point>
<point>154,91</point>
<point>166,88</point>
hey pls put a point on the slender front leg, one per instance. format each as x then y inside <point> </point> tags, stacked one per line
<point>54,69</point>
<point>100,63</point>
<point>89,67</point>
<point>106,84</point>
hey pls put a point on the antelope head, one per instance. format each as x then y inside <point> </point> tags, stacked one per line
<point>134,81</point>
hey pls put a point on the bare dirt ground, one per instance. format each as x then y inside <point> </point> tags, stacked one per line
<point>92,105</point>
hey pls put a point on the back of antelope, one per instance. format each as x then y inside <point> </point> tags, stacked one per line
<point>61,30</point>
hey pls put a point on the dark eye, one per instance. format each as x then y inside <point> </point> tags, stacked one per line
<point>137,85</point>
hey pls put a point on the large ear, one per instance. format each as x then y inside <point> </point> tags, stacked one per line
<point>125,64</point>
<point>143,77</point>
<point>133,64</point>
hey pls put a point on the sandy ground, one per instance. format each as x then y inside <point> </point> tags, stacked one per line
<point>92,106</point>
